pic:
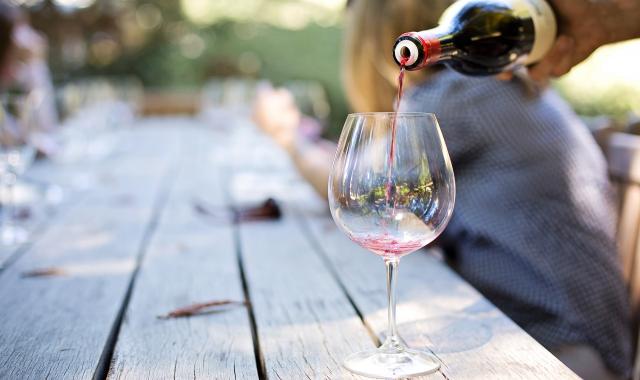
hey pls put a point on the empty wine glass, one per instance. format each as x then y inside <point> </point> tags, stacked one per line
<point>17,118</point>
<point>392,196</point>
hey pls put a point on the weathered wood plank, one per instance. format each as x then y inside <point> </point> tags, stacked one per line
<point>57,327</point>
<point>47,177</point>
<point>191,259</point>
<point>305,324</point>
<point>35,226</point>
<point>437,310</point>
<point>41,214</point>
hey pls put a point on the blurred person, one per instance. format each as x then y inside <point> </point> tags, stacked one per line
<point>534,224</point>
<point>584,26</point>
<point>277,114</point>
<point>23,66</point>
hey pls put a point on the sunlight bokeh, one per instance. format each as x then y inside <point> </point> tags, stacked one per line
<point>607,83</point>
<point>285,14</point>
<point>74,3</point>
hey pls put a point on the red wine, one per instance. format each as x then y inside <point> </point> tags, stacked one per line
<point>387,245</point>
<point>393,131</point>
<point>403,62</point>
<point>482,37</point>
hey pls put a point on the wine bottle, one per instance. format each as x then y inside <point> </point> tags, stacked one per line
<point>482,37</point>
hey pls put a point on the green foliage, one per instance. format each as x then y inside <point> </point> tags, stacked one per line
<point>615,100</point>
<point>312,53</point>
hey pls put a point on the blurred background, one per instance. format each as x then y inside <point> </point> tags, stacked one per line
<point>180,47</point>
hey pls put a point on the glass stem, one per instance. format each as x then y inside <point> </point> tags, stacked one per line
<point>392,342</point>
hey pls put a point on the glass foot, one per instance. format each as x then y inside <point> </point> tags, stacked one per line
<point>13,235</point>
<point>383,365</point>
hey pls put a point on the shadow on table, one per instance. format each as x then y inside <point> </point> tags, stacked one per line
<point>449,333</point>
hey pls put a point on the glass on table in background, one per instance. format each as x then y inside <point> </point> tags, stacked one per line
<point>234,93</point>
<point>17,124</point>
<point>96,114</point>
<point>392,201</point>
<point>94,110</point>
<point>311,97</point>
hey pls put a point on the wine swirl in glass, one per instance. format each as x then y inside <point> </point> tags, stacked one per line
<point>392,191</point>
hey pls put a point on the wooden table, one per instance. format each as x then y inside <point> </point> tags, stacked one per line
<point>138,244</point>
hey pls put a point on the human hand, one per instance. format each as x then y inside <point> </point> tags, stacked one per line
<point>276,113</point>
<point>585,25</point>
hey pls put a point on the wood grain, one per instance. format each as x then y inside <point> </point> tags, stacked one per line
<point>57,327</point>
<point>137,233</point>
<point>191,258</point>
<point>41,214</point>
<point>437,311</point>
<point>305,323</point>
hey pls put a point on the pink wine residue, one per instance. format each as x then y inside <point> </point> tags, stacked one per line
<point>392,149</point>
<point>386,245</point>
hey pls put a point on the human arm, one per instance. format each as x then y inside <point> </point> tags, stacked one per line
<point>585,25</point>
<point>276,114</point>
<point>313,161</point>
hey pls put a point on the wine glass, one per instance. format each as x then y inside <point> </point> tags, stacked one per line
<point>17,118</point>
<point>392,191</point>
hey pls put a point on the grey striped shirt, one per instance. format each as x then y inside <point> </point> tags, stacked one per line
<point>534,224</point>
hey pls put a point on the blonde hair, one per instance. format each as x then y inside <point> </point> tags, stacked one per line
<point>372,26</point>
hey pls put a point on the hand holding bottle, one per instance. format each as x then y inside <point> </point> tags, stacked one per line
<point>584,26</point>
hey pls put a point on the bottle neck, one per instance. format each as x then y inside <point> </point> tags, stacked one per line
<point>437,44</point>
<point>415,50</point>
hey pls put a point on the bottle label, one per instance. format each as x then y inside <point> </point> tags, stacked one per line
<point>544,23</point>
